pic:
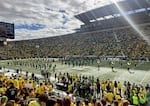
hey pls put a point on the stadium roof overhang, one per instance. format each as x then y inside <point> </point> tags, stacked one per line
<point>111,9</point>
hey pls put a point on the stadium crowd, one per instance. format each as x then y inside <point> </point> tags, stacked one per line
<point>115,42</point>
<point>26,91</point>
<point>111,91</point>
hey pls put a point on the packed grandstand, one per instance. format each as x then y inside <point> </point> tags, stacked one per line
<point>100,42</point>
<point>120,42</point>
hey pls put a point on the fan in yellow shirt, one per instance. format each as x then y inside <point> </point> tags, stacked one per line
<point>42,99</point>
<point>34,103</point>
<point>34,84</point>
<point>111,85</point>
<point>20,82</point>
<point>9,80</point>
<point>117,96</point>
<point>102,87</point>
<point>110,96</point>
<point>38,90</point>
<point>119,87</point>
<point>50,88</point>
<point>72,104</point>
<point>16,83</point>
<point>44,89</point>
<point>70,87</point>
<point>3,88</point>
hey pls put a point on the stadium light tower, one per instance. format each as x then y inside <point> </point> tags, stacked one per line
<point>131,22</point>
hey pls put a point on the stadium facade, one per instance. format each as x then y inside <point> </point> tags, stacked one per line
<point>109,16</point>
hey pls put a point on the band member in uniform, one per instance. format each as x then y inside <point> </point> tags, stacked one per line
<point>112,65</point>
<point>98,64</point>
<point>128,66</point>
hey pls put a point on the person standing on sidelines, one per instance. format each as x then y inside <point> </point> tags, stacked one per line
<point>135,100</point>
<point>142,99</point>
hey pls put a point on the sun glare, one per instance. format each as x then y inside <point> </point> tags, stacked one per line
<point>133,25</point>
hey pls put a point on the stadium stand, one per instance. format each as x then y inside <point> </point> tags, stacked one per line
<point>99,43</point>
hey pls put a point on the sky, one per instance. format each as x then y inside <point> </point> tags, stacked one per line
<point>45,18</point>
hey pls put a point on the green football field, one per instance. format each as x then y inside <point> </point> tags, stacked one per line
<point>139,74</point>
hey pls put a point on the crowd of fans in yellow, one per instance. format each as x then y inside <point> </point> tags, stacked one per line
<point>21,91</point>
<point>104,43</point>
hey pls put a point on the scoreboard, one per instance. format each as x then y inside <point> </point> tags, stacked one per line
<point>7,30</point>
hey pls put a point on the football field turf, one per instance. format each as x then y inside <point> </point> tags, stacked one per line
<point>139,74</point>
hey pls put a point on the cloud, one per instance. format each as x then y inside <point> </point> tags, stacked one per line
<point>57,16</point>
